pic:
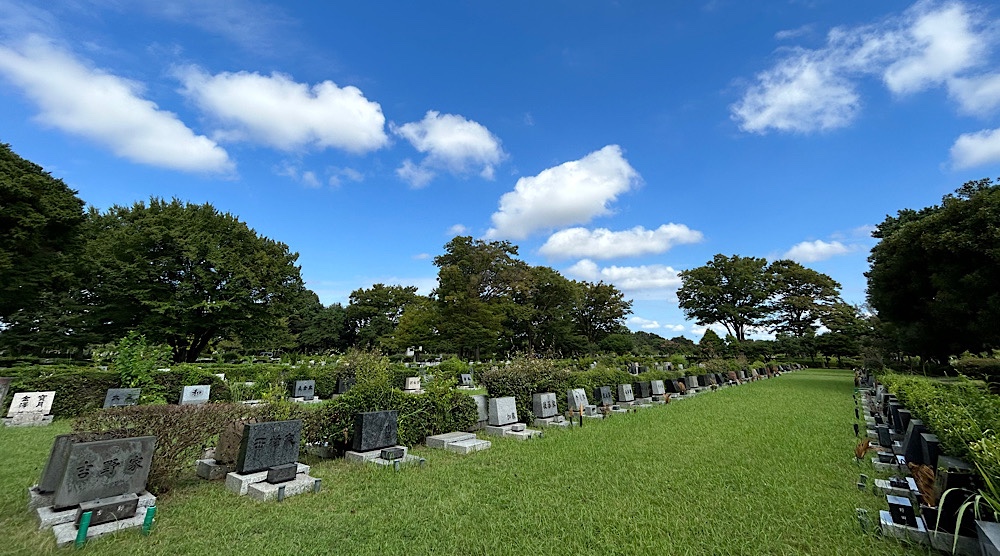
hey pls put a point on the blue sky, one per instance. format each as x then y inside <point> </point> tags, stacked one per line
<point>616,141</point>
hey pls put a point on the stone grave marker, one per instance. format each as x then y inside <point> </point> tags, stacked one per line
<point>30,409</point>
<point>912,449</point>
<point>625,394</point>
<point>465,380</point>
<point>305,389</point>
<point>502,411</point>
<point>657,388</point>
<point>344,384</point>
<point>374,430</point>
<point>642,389</point>
<point>576,398</point>
<point>118,397</point>
<point>544,405</point>
<point>269,444</point>
<point>195,395</point>
<point>55,467</point>
<point>482,407</point>
<point>412,383</point>
<point>603,394</point>
<point>104,468</point>
<point>4,387</point>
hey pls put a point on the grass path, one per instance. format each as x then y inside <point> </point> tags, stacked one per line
<point>766,468</point>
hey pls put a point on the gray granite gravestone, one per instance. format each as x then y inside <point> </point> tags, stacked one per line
<point>412,383</point>
<point>195,395</point>
<point>31,402</point>
<point>305,389</point>
<point>103,469</point>
<point>575,398</point>
<point>502,411</point>
<point>268,444</point>
<point>482,407</point>
<point>4,387</point>
<point>625,393</point>
<point>55,467</point>
<point>603,395</point>
<point>375,430</point>
<point>117,397</point>
<point>544,405</point>
<point>656,388</point>
<point>465,380</point>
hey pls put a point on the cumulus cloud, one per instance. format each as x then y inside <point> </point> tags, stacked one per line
<point>338,175</point>
<point>107,109</point>
<point>979,95</point>
<point>572,193</point>
<point>417,176</point>
<point>976,149</point>
<point>451,143</point>
<point>277,111</point>
<point>645,324</point>
<point>810,90</point>
<point>458,230</point>
<point>675,327</point>
<point>819,250</point>
<point>602,243</point>
<point>628,278</point>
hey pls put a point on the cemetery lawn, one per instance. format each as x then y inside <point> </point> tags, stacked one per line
<point>764,468</point>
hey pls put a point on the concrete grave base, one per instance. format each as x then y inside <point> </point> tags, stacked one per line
<point>507,431</point>
<point>239,483</point>
<point>38,500</point>
<point>303,400</point>
<point>48,518</point>
<point>211,470</point>
<point>468,446</point>
<point>362,457</point>
<point>966,546</point>
<point>66,532</point>
<point>413,391</point>
<point>405,460</point>
<point>27,420</point>
<point>266,492</point>
<point>559,421</point>
<point>465,387</point>
<point>910,491</point>
<point>643,401</point>
<point>594,416</point>
<point>916,534</point>
<point>439,441</point>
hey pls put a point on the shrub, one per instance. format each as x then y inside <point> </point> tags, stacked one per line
<point>77,390</point>
<point>135,362</point>
<point>987,369</point>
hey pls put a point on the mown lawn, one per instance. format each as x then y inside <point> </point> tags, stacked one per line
<point>765,468</point>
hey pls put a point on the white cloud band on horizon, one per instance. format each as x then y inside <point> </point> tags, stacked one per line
<point>603,243</point>
<point>571,193</point>
<point>107,109</point>
<point>818,250</point>
<point>628,278</point>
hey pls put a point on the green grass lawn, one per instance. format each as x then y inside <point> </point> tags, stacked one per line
<point>765,468</point>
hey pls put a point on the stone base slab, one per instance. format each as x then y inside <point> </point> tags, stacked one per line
<point>66,532</point>
<point>303,400</point>
<point>559,421</point>
<point>966,546</point>
<point>405,460</point>
<point>211,470</point>
<point>49,518</point>
<point>440,441</point>
<point>886,487</point>
<point>468,446</point>
<point>266,492</point>
<point>916,534</point>
<point>27,420</point>
<point>239,484</point>
<point>362,457</point>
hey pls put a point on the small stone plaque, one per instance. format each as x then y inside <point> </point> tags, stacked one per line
<point>110,509</point>
<point>31,402</point>
<point>657,388</point>
<point>105,468</point>
<point>281,473</point>
<point>305,389</point>
<point>412,383</point>
<point>625,393</point>
<point>901,511</point>
<point>544,405</point>
<point>268,444</point>
<point>344,384</point>
<point>482,407</point>
<point>118,397</point>
<point>374,430</point>
<point>465,380</point>
<point>576,397</point>
<point>502,411</point>
<point>603,395</point>
<point>390,454</point>
<point>195,395</point>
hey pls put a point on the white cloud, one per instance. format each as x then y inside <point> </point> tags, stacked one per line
<point>107,109</point>
<point>645,324</point>
<point>810,90</point>
<point>416,176</point>
<point>452,143</point>
<point>602,243</point>
<point>819,250</point>
<point>572,193</point>
<point>978,95</point>
<point>675,327</point>
<point>458,230</point>
<point>976,149</point>
<point>252,25</point>
<point>786,34</point>
<point>309,178</point>
<point>719,329</point>
<point>628,278</point>
<point>422,256</point>
<point>338,175</point>
<point>277,111</point>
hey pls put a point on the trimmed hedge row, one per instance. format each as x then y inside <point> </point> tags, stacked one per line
<point>963,415</point>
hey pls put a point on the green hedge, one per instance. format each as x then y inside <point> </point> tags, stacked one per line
<point>987,369</point>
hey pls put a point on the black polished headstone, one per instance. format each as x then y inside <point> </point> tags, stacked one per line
<point>702,380</point>
<point>602,394</point>
<point>118,397</point>
<point>930,447</point>
<point>105,468</point>
<point>892,416</point>
<point>671,386</point>
<point>374,430</point>
<point>642,389</point>
<point>305,389</point>
<point>268,444</point>
<point>344,384</point>
<point>904,417</point>
<point>912,450</point>
<point>953,473</point>
<point>901,511</point>
<point>884,438</point>
<point>111,509</point>
<point>282,473</point>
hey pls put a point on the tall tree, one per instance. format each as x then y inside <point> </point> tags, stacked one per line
<point>731,291</point>
<point>934,274</point>
<point>802,296</point>
<point>601,310</point>
<point>186,274</point>
<point>373,314</point>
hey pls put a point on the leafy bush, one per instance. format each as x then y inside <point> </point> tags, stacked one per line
<point>135,362</point>
<point>77,390</point>
<point>977,367</point>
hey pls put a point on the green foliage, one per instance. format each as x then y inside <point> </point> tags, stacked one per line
<point>620,344</point>
<point>136,361</point>
<point>77,390</point>
<point>802,297</point>
<point>374,313</point>
<point>450,369</point>
<point>986,368</point>
<point>733,291</point>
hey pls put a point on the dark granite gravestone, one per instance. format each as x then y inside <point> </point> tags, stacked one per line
<point>466,380</point>
<point>55,467</point>
<point>929,446</point>
<point>953,473</point>
<point>719,379</point>
<point>904,418</point>
<point>268,444</point>
<point>602,394</point>
<point>344,384</point>
<point>642,389</point>
<point>544,405</point>
<point>117,397</point>
<point>305,389</point>
<point>657,388</point>
<point>107,510</point>
<point>891,416</point>
<point>4,388</point>
<point>901,511</point>
<point>884,438</point>
<point>670,386</point>
<point>625,393</point>
<point>281,473</point>
<point>911,442</point>
<point>702,381</point>
<point>103,469</point>
<point>374,430</point>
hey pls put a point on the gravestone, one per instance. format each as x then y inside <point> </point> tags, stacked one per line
<point>482,408</point>
<point>374,430</point>
<point>702,381</point>
<point>4,388</point>
<point>465,380</point>
<point>118,397</point>
<point>901,511</point>
<point>195,395</point>
<point>544,405</point>
<point>642,389</point>
<point>576,398</point>
<point>103,469</point>
<point>912,450</point>
<point>625,394</point>
<point>904,417</point>
<point>344,384</point>
<point>502,411</point>
<point>30,409</point>
<point>305,389</point>
<point>884,438</point>
<point>269,444</point>
<point>657,388</point>
<point>412,384</point>
<point>603,395</point>
<point>930,447</point>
